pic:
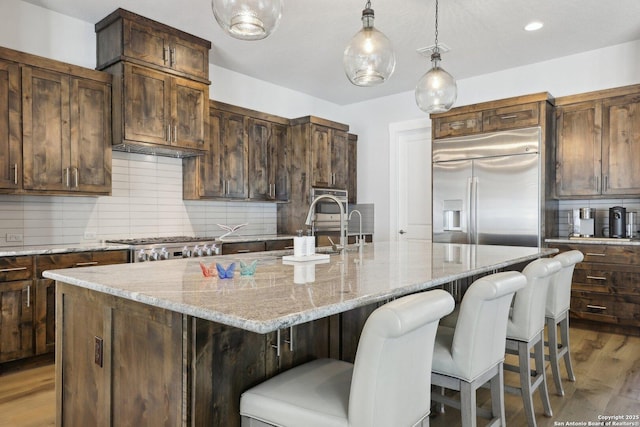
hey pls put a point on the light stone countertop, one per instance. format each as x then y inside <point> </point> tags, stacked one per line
<point>58,249</point>
<point>593,241</point>
<point>282,295</point>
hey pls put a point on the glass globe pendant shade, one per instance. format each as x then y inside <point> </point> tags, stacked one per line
<point>247,19</point>
<point>369,58</point>
<point>436,91</point>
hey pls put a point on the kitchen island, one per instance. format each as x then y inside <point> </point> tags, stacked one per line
<point>160,344</point>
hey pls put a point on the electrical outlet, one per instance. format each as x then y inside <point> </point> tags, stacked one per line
<point>89,235</point>
<point>12,237</point>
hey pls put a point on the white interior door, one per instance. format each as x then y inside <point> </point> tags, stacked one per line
<point>414,215</point>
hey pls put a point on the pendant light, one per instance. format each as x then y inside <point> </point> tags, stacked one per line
<point>247,19</point>
<point>369,59</point>
<point>436,91</point>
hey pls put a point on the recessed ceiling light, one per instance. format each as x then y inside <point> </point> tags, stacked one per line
<point>533,26</point>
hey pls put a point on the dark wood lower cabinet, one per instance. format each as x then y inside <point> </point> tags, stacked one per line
<point>121,362</point>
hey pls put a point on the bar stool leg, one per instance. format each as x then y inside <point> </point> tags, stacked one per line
<point>552,331</point>
<point>524,361</point>
<point>540,370</point>
<point>564,334</point>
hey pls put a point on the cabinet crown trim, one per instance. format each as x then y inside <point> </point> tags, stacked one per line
<point>599,95</point>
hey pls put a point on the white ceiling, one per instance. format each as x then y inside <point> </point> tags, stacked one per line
<point>305,53</point>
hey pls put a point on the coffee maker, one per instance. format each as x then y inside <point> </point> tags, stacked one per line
<point>582,222</point>
<point>617,222</point>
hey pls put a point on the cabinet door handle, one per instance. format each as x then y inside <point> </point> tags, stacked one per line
<point>7,270</point>
<point>597,184</point>
<point>65,177</point>
<point>15,173</point>
<point>595,254</point>
<point>509,116</point>
<point>596,278</point>
<point>168,138</point>
<point>165,55</point>
<point>175,133</point>
<point>172,57</point>
<point>456,125</point>
<point>596,307</point>
<point>277,346</point>
<point>606,184</point>
<point>290,340</point>
<point>76,176</point>
<point>28,295</point>
<point>84,264</point>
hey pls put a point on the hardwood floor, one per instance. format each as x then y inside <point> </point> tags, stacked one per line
<point>607,368</point>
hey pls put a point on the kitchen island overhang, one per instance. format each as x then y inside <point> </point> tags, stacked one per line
<point>159,344</point>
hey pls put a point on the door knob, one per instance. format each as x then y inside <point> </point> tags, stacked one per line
<point>402,232</point>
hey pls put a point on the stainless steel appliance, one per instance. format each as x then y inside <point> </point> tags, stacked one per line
<point>617,222</point>
<point>582,222</point>
<point>486,189</point>
<point>165,248</point>
<point>326,218</point>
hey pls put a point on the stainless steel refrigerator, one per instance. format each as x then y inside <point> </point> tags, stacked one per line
<point>486,189</point>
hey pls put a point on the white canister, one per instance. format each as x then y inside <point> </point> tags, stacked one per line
<point>299,246</point>
<point>310,248</point>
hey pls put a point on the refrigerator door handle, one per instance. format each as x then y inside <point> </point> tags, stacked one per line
<point>473,210</point>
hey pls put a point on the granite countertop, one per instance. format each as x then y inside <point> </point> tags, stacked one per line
<point>283,294</point>
<point>593,241</point>
<point>58,249</point>
<point>100,246</point>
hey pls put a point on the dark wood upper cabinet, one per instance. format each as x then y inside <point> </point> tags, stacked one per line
<point>598,144</point>
<point>245,159</point>
<point>161,86</point>
<point>66,132</point>
<point>352,163</point>
<point>328,157</point>
<point>55,127</point>
<point>126,36</point>
<point>504,114</point>
<point>10,131</point>
<point>578,149</point>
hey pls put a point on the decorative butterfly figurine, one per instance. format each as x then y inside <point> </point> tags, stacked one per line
<point>206,271</point>
<point>226,273</point>
<point>248,270</point>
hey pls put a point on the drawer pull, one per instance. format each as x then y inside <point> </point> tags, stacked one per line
<point>288,247</point>
<point>509,116</point>
<point>457,125</point>
<point>596,307</point>
<point>84,264</point>
<point>7,270</point>
<point>243,251</point>
<point>595,254</point>
<point>596,277</point>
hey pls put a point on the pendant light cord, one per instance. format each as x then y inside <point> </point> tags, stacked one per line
<point>436,49</point>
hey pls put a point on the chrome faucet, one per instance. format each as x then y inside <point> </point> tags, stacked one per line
<point>360,239</point>
<point>342,215</point>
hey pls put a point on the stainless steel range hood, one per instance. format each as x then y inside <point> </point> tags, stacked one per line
<point>156,150</point>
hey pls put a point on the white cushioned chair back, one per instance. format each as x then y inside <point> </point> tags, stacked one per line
<point>391,383</point>
<point>480,333</point>
<point>559,293</point>
<point>527,318</point>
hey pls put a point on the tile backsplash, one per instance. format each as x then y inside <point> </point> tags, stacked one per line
<point>601,207</point>
<point>146,201</point>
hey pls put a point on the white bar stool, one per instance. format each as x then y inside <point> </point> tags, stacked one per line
<point>525,330</point>
<point>472,353</point>
<point>557,315</point>
<point>388,385</point>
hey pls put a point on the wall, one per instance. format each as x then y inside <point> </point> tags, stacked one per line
<point>599,69</point>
